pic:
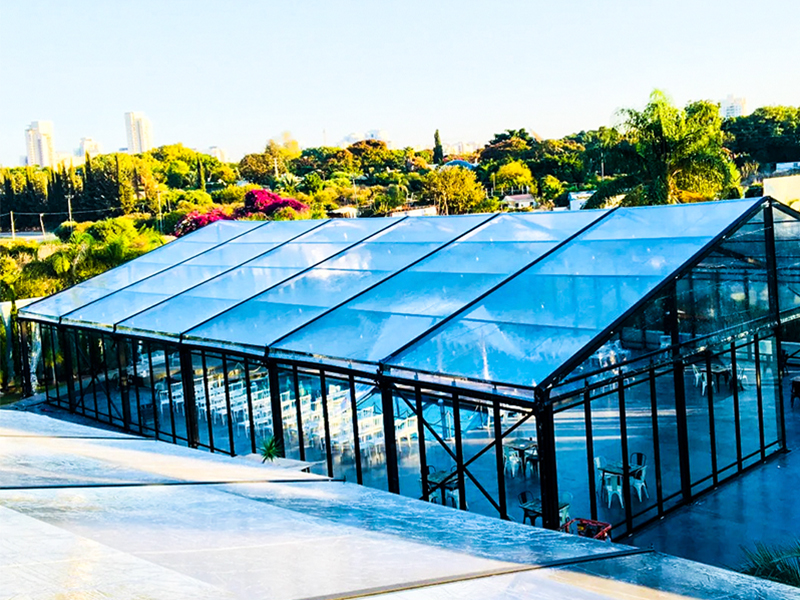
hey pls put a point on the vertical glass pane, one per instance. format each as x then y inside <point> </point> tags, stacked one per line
<point>313,421</point>
<point>724,417</point>
<point>371,440</point>
<point>289,405</point>
<point>441,486</point>
<point>669,452</point>
<point>698,424</point>
<point>607,442</point>
<point>237,407</point>
<point>770,388</point>
<point>641,449</point>
<point>217,403</point>
<point>521,465</point>
<point>572,459</point>
<point>748,403</point>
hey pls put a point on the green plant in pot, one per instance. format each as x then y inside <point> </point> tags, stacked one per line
<point>270,449</point>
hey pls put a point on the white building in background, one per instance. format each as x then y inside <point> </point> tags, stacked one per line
<point>139,132</point>
<point>460,148</point>
<point>784,189</point>
<point>88,146</point>
<point>732,107</point>
<point>39,141</point>
<point>372,134</point>
<point>217,153</point>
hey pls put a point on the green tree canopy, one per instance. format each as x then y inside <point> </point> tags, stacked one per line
<point>672,155</point>
<point>516,175</point>
<point>454,190</point>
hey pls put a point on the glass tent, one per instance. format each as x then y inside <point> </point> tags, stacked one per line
<point>535,366</point>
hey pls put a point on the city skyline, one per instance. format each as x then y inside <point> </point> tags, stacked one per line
<point>324,70</point>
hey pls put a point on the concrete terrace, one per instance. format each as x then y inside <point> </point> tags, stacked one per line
<point>87,512</point>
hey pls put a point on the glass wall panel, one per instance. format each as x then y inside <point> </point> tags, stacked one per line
<point>641,448</point>
<point>572,459</point>
<point>238,399</point>
<point>520,462</point>
<point>441,485</point>
<point>218,399</point>
<point>698,424</point>
<point>724,414</point>
<point>371,440</point>
<point>313,421</point>
<point>476,422</point>
<point>770,389</point>
<point>340,422</point>
<point>608,453</point>
<point>290,406</point>
<point>748,403</point>
<point>667,425</point>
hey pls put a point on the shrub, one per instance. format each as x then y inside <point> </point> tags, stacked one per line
<point>195,220</point>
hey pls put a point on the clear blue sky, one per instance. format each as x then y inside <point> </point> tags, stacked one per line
<point>234,74</point>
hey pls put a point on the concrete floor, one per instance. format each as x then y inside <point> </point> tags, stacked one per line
<point>88,513</point>
<point>760,506</point>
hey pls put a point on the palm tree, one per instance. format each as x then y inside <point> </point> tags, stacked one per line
<point>781,564</point>
<point>672,156</point>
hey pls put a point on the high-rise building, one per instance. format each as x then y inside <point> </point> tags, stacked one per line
<point>732,107</point>
<point>217,153</point>
<point>88,146</point>
<point>139,132</point>
<point>39,141</point>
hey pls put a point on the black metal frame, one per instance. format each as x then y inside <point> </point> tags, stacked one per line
<point>543,408</point>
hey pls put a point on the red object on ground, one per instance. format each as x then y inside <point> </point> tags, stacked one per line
<point>597,530</point>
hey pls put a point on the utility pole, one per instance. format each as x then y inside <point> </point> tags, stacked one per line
<point>69,206</point>
<point>41,223</point>
<point>13,229</point>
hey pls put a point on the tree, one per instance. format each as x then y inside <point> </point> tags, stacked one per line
<point>438,153</point>
<point>455,190</point>
<point>671,156</point>
<point>515,175</point>
<point>256,168</point>
<point>770,134</point>
<point>201,175</point>
<point>551,187</point>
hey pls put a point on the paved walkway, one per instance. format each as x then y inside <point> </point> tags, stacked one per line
<point>760,506</point>
<point>86,512</point>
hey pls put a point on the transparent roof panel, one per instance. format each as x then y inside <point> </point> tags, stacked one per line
<point>278,311</point>
<point>136,270</point>
<point>381,320</point>
<point>310,243</point>
<point>523,331</point>
<point>126,303</point>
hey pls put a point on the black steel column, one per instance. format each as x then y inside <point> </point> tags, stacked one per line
<point>499,458</point>
<point>326,422</point>
<point>27,390</point>
<point>623,437</point>
<point>774,306</point>
<point>69,371</point>
<point>736,417</point>
<point>548,471</point>
<point>587,416</point>
<point>301,441</point>
<point>277,409</point>
<point>249,397</point>
<point>462,492</point>
<point>390,440</point>
<point>680,395</point>
<point>124,390</point>
<point>712,426</point>
<point>189,406</point>
<point>656,443</point>
<point>759,396</point>
<point>356,437</point>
